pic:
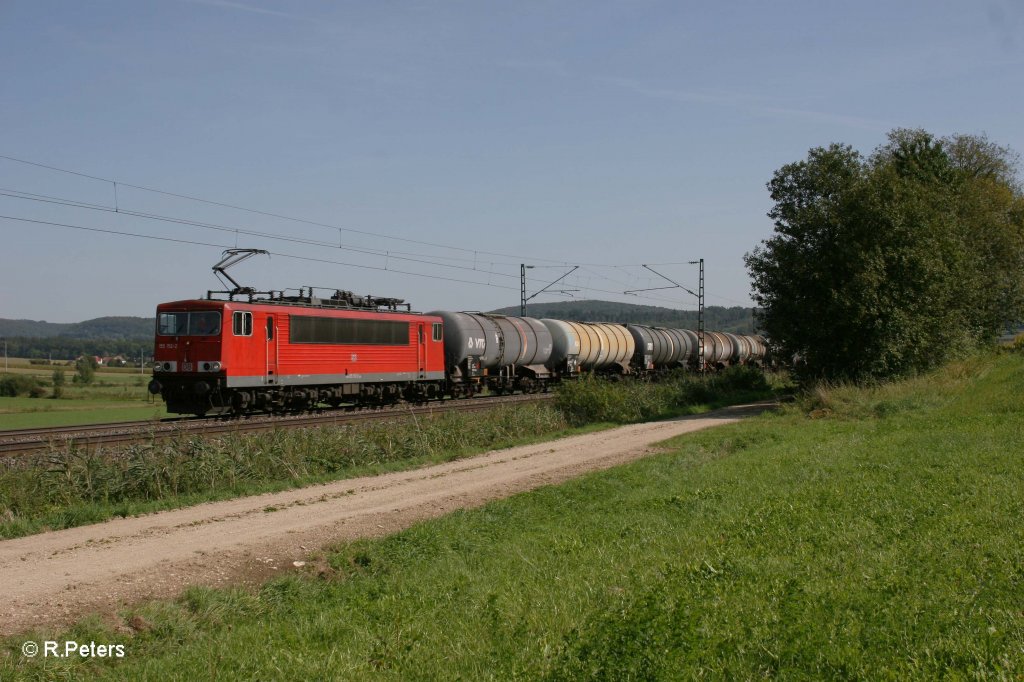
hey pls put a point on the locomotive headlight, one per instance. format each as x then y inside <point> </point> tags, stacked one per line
<point>215,366</point>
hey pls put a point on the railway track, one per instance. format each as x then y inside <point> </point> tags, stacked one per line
<point>22,441</point>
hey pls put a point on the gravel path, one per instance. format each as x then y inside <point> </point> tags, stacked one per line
<point>54,578</point>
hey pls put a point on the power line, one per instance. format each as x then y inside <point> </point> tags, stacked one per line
<point>273,253</point>
<point>54,168</point>
<point>73,203</point>
<point>312,222</point>
<point>193,242</point>
<point>269,213</point>
<point>18,194</point>
<point>381,253</point>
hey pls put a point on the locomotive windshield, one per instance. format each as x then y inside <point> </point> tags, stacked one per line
<point>200,323</point>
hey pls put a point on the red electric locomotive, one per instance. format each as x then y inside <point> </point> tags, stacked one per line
<point>277,353</point>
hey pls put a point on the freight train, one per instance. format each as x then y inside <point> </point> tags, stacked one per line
<point>278,353</point>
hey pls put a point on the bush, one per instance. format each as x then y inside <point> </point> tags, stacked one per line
<point>740,378</point>
<point>85,371</point>
<point>14,385</point>
<point>593,399</point>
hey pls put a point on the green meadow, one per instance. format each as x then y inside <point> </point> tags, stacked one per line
<point>115,394</point>
<point>865,533</point>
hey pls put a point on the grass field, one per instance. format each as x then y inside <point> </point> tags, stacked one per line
<point>67,486</point>
<point>116,394</point>
<point>861,533</point>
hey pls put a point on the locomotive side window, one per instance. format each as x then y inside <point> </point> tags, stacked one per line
<point>348,331</point>
<point>201,323</point>
<point>241,323</point>
<point>270,328</point>
<point>437,332</point>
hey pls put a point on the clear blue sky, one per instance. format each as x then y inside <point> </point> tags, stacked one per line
<point>584,132</point>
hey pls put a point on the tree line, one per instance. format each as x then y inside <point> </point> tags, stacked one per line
<point>63,348</point>
<point>892,263</point>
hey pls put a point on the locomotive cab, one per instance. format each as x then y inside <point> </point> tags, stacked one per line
<point>189,368</point>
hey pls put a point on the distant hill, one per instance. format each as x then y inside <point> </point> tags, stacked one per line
<point>119,328</point>
<point>716,318</point>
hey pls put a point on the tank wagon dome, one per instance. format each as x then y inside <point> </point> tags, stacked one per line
<point>497,340</point>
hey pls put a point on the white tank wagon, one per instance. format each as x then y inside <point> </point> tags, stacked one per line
<point>740,348</point>
<point>748,348</point>
<point>721,349</point>
<point>499,351</point>
<point>759,348</point>
<point>685,347</point>
<point>717,349</point>
<point>660,348</point>
<point>598,347</point>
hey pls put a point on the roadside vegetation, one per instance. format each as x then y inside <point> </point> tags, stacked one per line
<point>594,400</point>
<point>868,533</point>
<point>72,486</point>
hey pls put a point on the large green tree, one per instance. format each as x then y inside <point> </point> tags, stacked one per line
<point>893,263</point>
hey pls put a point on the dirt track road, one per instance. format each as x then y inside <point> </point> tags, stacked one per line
<point>55,577</point>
